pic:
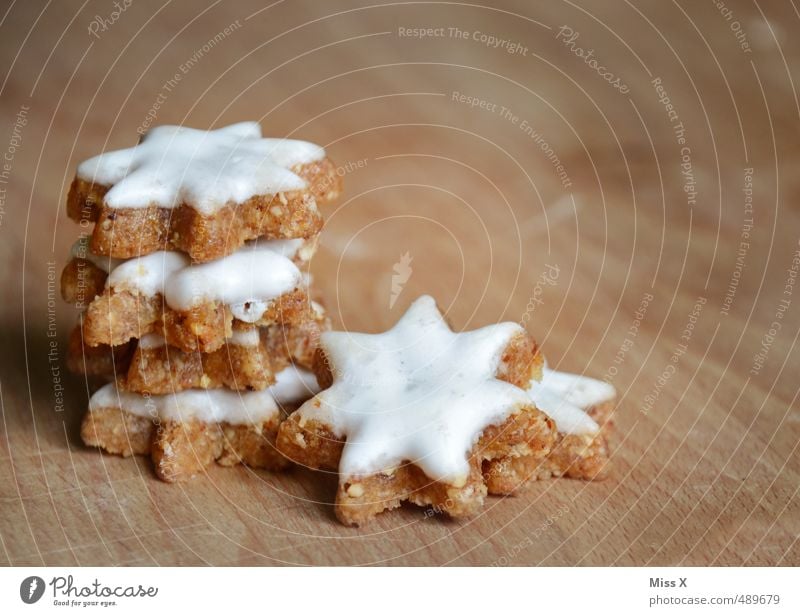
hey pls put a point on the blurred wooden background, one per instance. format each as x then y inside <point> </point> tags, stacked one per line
<point>491,150</point>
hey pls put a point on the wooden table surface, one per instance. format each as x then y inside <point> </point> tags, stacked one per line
<point>656,176</point>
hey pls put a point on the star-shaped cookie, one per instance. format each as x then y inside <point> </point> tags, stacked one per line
<point>206,169</point>
<point>415,412</point>
<point>202,192</point>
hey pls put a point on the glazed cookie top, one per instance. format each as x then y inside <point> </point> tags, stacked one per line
<point>212,405</point>
<point>247,280</point>
<point>174,165</point>
<point>418,392</point>
<point>566,397</point>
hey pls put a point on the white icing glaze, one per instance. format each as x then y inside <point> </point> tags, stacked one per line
<point>245,337</point>
<point>418,392</point>
<point>247,280</point>
<point>80,250</point>
<point>204,169</point>
<point>318,309</point>
<point>566,397</point>
<point>287,248</point>
<point>212,405</point>
<point>147,274</point>
<point>293,385</point>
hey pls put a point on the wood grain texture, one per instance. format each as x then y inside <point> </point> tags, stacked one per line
<point>706,449</point>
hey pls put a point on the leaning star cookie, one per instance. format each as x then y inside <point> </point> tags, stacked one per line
<point>415,413</point>
<point>202,192</point>
<point>581,408</point>
<point>194,306</point>
<point>241,364</point>
<point>247,361</point>
<point>186,431</point>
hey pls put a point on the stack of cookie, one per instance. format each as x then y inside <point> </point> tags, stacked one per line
<point>195,293</point>
<point>198,314</point>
